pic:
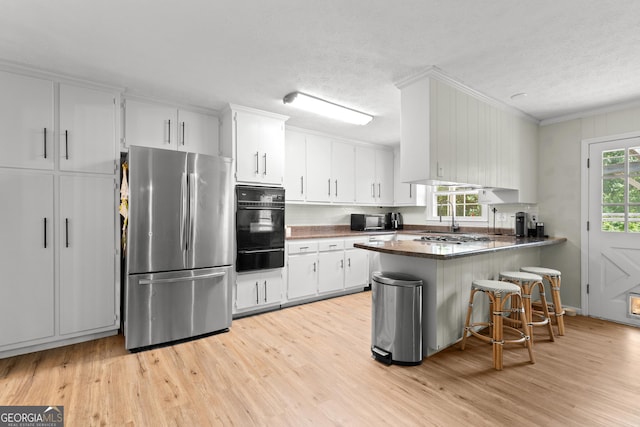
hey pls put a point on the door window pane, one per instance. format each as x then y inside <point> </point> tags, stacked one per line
<point>621,190</point>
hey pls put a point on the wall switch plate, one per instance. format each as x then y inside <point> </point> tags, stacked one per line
<point>534,218</point>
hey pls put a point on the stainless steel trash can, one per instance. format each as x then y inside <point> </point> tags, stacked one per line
<point>396,318</point>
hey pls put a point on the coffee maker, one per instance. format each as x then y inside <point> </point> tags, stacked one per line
<point>521,224</point>
<point>393,221</point>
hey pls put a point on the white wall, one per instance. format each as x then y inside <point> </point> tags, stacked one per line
<point>559,187</point>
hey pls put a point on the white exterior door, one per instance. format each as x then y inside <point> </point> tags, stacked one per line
<point>87,253</point>
<point>87,130</point>
<point>26,257</point>
<point>26,108</point>
<point>614,232</point>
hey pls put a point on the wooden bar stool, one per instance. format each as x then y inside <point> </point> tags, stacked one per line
<point>528,282</point>
<point>499,293</point>
<point>553,277</point>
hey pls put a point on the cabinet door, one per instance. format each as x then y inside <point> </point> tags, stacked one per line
<point>26,124</point>
<point>198,133</point>
<point>366,190</point>
<point>318,169</point>
<point>356,270</point>
<point>87,253</point>
<point>302,277</point>
<point>272,149</point>
<point>295,155</point>
<point>151,125</point>
<point>26,257</point>
<point>271,287</point>
<point>247,290</point>
<point>384,177</point>
<point>331,271</point>
<point>343,172</point>
<point>87,130</point>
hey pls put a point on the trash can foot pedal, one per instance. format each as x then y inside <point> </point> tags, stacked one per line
<point>381,355</point>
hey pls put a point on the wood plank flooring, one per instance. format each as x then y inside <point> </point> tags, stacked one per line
<point>310,365</point>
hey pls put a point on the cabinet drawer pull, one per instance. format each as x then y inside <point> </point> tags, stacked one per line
<point>301,185</point>
<point>257,160</point>
<point>373,190</point>
<point>410,195</point>
<point>45,148</point>
<point>349,262</point>
<point>257,294</point>
<point>265,164</point>
<point>336,188</point>
<point>329,186</point>
<point>265,291</point>
<point>379,191</point>
<point>314,267</point>
<point>341,263</point>
<point>169,131</point>
<point>66,144</point>
<point>45,233</point>
<point>182,133</point>
<point>66,232</point>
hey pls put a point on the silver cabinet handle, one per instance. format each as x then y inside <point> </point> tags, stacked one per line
<point>341,263</point>
<point>45,146</point>
<point>182,133</point>
<point>66,144</point>
<point>257,294</point>
<point>265,291</point>
<point>329,187</point>
<point>336,188</point>
<point>349,262</point>
<point>265,164</point>
<point>410,186</point>
<point>66,232</point>
<point>373,189</point>
<point>301,185</point>
<point>204,276</point>
<point>314,267</point>
<point>257,159</point>
<point>45,233</point>
<point>169,134</point>
<point>379,191</point>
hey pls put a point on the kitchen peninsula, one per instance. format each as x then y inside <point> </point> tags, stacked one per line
<point>447,270</point>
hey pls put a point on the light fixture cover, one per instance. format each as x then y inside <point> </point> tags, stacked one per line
<point>326,108</point>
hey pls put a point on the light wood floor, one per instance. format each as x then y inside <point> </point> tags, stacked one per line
<point>310,366</point>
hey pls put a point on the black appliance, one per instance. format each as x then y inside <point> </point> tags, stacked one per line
<point>521,224</point>
<point>393,221</point>
<point>259,227</point>
<point>367,222</point>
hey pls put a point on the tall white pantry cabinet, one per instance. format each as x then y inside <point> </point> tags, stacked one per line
<point>59,251</point>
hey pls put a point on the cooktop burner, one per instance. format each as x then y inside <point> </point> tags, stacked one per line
<point>454,239</point>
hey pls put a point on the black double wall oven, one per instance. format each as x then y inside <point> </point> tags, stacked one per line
<point>259,227</point>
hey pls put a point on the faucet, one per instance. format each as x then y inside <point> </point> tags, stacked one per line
<point>454,227</point>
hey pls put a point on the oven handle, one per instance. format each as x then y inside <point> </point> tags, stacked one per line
<point>257,208</point>
<point>261,251</point>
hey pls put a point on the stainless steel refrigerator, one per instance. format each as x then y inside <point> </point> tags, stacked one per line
<point>179,252</point>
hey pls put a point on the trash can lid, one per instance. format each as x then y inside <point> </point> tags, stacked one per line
<point>396,279</point>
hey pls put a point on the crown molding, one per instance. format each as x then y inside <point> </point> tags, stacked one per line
<point>592,112</point>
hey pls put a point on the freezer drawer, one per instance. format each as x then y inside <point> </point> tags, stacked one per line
<point>163,307</point>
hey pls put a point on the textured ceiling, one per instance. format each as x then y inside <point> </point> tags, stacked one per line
<point>568,55</point>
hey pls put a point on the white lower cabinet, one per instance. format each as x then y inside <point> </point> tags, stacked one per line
<point>331,260</point>
<point>320,267</point>
<point>258,290</point>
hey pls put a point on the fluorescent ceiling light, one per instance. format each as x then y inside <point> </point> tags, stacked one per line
<point>326,108</point>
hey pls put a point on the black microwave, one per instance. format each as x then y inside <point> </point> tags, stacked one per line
<point>366,222</point>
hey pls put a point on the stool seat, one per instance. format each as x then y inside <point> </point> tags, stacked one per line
<point>542,271</point>
<point>554,278</point>
<point>496,286</point>
<point>520,275</point>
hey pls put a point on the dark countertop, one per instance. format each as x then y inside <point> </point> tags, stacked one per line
<point>327,231</point>
<point>445,251</point>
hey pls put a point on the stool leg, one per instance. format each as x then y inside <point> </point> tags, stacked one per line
<point>465,330</point>
<point>527,332</point>
<point>497,342</point>
<point>526,303</point>
<point>545,309</point>
<point>554,281</point>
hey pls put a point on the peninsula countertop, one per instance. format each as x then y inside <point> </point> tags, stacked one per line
<point>449,250</point>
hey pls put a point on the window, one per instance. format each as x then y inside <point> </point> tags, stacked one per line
<point>463,199</point>
<point>621,190</point>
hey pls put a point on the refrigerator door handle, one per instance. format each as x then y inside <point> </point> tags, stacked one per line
<point>183,210</point>
<point>175,279</point>
<point>192,208</point>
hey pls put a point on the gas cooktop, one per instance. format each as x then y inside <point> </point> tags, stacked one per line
<point>448,238</point>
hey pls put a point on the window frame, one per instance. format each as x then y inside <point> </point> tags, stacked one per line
<point>432,204</point>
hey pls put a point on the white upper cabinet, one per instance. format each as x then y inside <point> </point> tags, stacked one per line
<point>87,130</point>
<point>259,147</point>
<point>451,134</point>
<point>27,134</point>
<point>158,125</point>
<point>318,168</point>
<point>295,171</point>
<point>343,172</point>
<point>406,194</point>
<point>374,176</point>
